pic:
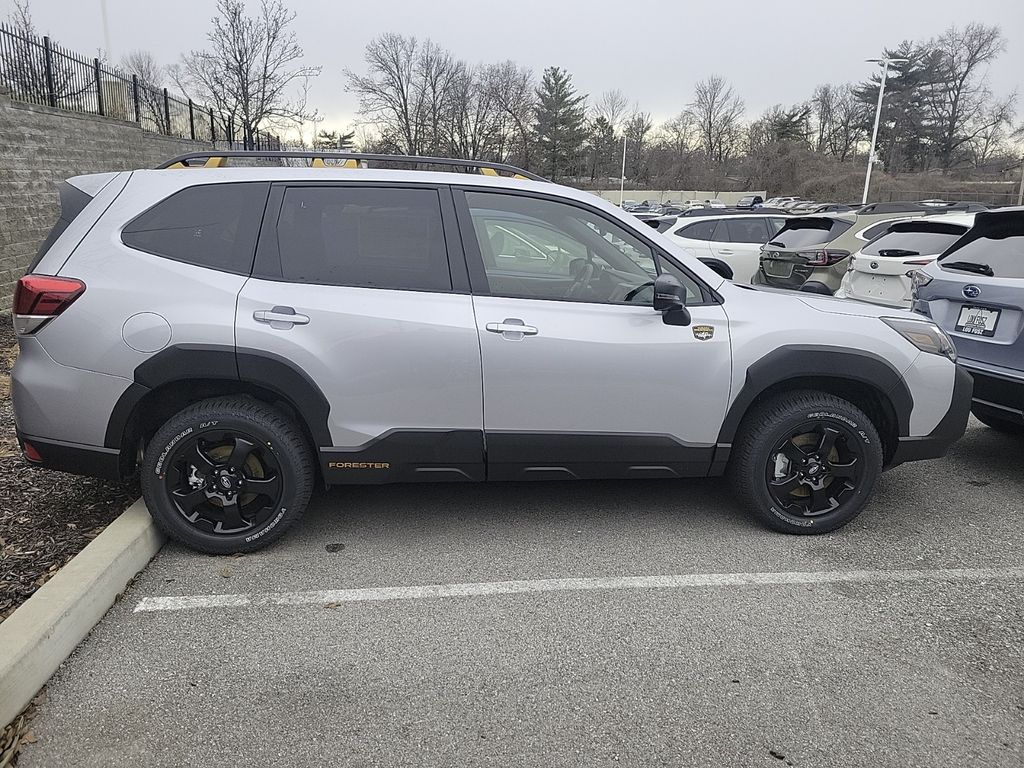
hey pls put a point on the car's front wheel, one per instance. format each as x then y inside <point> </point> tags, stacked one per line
<point>806,462</point>
<point>227,475</point>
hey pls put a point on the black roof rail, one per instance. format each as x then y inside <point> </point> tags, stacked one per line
<point>216,158</point>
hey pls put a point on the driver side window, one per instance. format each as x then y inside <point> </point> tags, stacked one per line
<point>543,249</point>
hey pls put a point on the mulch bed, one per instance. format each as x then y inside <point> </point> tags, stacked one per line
<point>46,518</point>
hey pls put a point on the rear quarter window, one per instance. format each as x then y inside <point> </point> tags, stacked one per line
<point>700,230</point>
<point>211,225</point>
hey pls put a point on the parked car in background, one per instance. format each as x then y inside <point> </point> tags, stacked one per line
<point>750,201</point>
<point>832,208</point>
<point>716,203</point>
<point>811,253</point>
<point>691,204</point>
<point>777,202</point>
<point>880,272</point>
<point>735,239</point>
<point>975,292</point>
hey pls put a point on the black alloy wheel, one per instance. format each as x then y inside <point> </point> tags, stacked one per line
<point>815,469</point>
<point>805,461</point>
<point>226,475</point>
<point>224,482</point>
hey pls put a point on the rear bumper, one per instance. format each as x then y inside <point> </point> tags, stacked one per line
<point>75,458</point>
<point>947,432</point>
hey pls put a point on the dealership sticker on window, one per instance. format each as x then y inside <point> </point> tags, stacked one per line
<point>703,332</point>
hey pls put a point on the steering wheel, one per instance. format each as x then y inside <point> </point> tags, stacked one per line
<point>580,281</point>
<point>632,294</point>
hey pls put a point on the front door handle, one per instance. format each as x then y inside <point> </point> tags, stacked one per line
<point>512,328</point>
<point>281,318</point>
<point>725,251</point>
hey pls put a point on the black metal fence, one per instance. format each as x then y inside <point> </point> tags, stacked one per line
<point>37,70</point>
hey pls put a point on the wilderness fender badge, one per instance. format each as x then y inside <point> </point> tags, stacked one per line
<point>703,332</point>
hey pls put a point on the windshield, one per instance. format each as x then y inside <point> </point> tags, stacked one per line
<point>807,232</point>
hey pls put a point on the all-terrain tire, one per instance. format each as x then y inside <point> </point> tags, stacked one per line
<point>274,443</point>
<point>756,448</point>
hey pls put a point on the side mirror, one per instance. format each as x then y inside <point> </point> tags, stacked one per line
<point>670,300</point>
<point>718,266</point>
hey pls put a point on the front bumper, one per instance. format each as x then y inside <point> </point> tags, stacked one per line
<point>947,432</point>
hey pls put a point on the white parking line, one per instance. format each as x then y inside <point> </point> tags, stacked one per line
<point>489,588</point>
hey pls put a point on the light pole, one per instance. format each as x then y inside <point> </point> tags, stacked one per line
<point>885,62</point>
<point>622,178</point>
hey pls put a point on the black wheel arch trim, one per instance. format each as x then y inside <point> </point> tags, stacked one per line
<point>793,362</point>
<point>266,370</point>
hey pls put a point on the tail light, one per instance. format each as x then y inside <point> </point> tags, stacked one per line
<point>40,298</point>
<point>824,257</point>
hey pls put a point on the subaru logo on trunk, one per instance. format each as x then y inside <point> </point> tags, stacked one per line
<point>971,291</point>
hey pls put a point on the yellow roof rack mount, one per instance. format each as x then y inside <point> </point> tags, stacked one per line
<point>219,159</point>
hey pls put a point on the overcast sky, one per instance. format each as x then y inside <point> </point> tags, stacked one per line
<point>773,51</point>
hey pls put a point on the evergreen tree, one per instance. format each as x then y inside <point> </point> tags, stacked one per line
<point>559,126</point>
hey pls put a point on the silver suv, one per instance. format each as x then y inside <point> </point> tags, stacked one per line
<point>238,334</point>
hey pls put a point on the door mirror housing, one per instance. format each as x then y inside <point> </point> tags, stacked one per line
<point>670,300</point>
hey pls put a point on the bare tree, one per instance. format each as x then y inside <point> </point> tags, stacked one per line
<point>612,106</point>
<point>836,120</point>
<point>636,130</point>
<point>717,112</point>
<point>678,133</point>
<point>152,77</point>
<point>251,72</point>
<point>960,97</point>
<point>992,131</point>
<point>24,68</point>
<point>513,93</point>
<point>391,94</point>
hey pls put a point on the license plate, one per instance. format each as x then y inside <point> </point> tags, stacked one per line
<point>778,268</point>
<point>977,321</point>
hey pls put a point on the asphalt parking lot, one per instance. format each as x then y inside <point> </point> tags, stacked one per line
<point>833,659</point>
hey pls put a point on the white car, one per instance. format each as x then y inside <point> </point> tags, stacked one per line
<point>778,202</point>
<point>736,239</point>
<point>716,203</point>
<point>880,272</point>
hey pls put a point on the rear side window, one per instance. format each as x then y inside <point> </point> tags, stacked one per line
<point>804,232</point>
<point>212,225</point>
<point>922,242</point>
<point>369,237</point>
<point>747,230</point>
<point>700,230</point>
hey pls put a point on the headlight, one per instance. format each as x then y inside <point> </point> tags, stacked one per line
<point>923,334</point>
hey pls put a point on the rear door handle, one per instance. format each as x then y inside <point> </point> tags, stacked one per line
<point>725,251</point>
<point>512,328</point>
<point>281,318</point>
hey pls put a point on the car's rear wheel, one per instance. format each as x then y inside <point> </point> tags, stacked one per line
<point>992,418</point>
<point>806,462</point>
<point>227,475</point>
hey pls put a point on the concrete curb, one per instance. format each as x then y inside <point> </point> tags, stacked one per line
<point>42,632</point>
